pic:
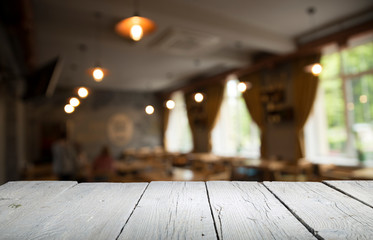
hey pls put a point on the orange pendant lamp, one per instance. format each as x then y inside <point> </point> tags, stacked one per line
<point>135,27</point>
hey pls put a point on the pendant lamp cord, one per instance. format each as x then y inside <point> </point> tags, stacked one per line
<point>98,38</point>
<point>136,7</point>
<point>311,12</point>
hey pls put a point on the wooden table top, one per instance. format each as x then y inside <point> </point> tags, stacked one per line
<point>187,210</point>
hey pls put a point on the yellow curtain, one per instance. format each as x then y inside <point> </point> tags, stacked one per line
<point>202,116</point>
<point>305,89</point>
<point>215,94</point>
<point>192,116</point>
<point>253,103</point>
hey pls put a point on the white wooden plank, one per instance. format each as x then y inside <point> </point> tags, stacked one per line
<point>86,211</point>
<point>247,210</point>
<point>19,198</point>
<point>28,189</point>
<point>361,190</point>
<point>172,210</point>
<point>330,214</point>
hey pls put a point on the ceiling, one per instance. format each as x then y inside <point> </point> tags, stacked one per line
<point>193,37</point>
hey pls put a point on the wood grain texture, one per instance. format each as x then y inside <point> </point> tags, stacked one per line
<point>86,211</point>
<point>330,214</point>
<point>361,190</point>
<point>20,198</point>
<point>172,210</point>
<point>247,210</point>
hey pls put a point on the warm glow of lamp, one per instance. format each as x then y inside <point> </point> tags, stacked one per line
<point>363,99</point>
<point>198,97</point>
<point>170,104</point>
<point>135,27</point>
<point>136,32</point>
<point>83,92</point>
<point>149,109</point>
<point>74,102</point>
<point>69,109</point>
<point>98,74</point>
<point>242,87</point>
<point>350,106</point>
<point>316,69</point>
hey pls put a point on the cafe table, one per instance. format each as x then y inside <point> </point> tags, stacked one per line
<point>186,210</point>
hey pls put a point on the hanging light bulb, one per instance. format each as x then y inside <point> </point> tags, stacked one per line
<point>198,97</point>
<point>170,104</point>
<point>316,69</point>
<point>74,102</point>
<point>69,109</point>
<point>363,99</point>
<point>98,74</point>
<point>136,32</point>
<point>135,27</point>
<point>83,92</point>
<point>350,106</point>
<point>241,87</point>
<point>149,109</point>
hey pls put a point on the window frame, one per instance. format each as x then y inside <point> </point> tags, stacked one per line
<point>350,156</point>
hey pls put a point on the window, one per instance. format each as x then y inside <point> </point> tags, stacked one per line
<point>178,133</point>
<point>235,133</point>
<point>343,110</point>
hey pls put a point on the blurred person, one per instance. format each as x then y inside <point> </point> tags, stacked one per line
<point>103,165</point>
<point>64,158</point>
<point>83,173</point>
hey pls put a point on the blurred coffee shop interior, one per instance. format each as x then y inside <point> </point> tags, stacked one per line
<point>187,90</point>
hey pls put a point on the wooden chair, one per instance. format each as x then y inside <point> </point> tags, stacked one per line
<point>283,170</point>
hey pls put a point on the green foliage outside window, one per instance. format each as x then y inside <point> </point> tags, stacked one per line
<point>358,59</point>
<point>335,111</point>
<point>354,66</point>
